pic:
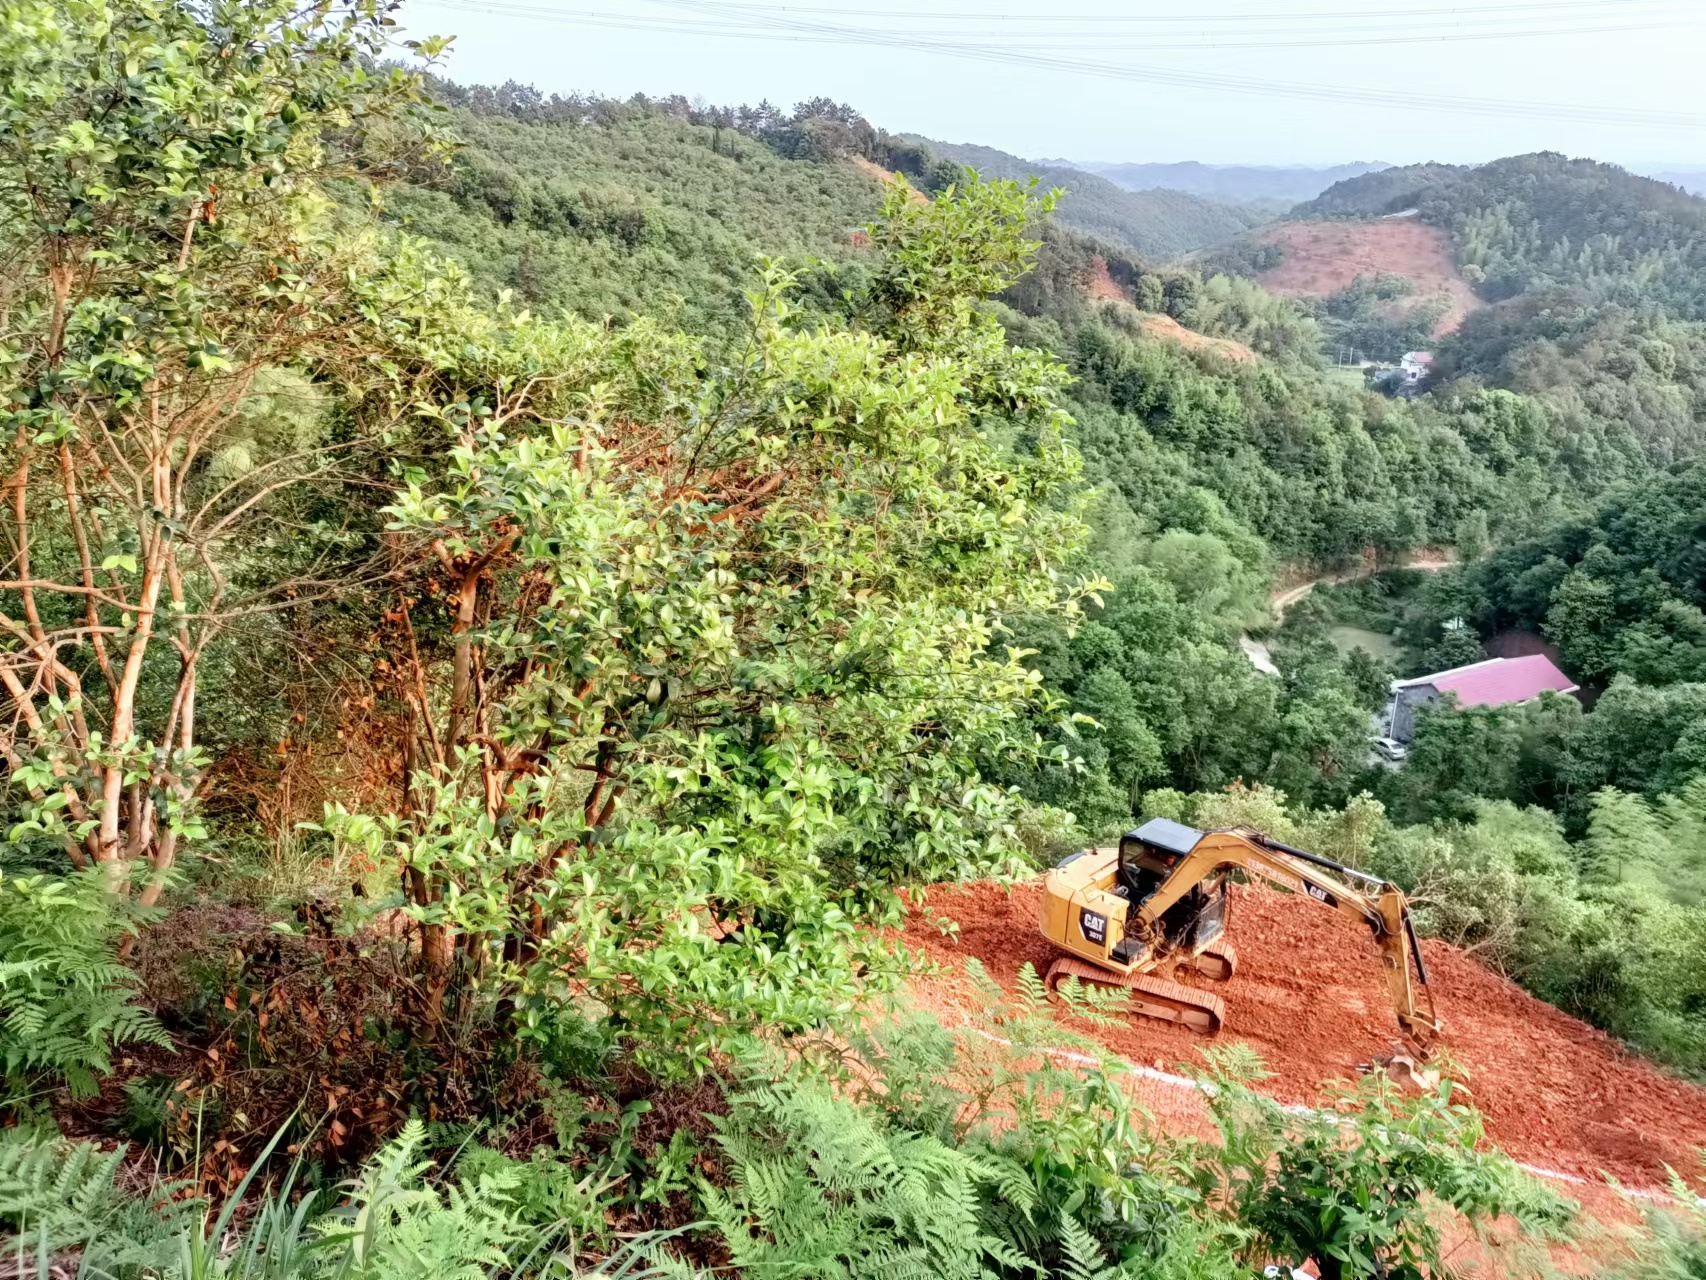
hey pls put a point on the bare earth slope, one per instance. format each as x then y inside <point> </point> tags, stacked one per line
<point>1322,258</point>
<point>1309,997</point>
<point>1102,288</point>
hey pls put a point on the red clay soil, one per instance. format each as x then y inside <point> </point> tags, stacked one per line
<point>881,174</point>
<point>1099,284</point>
<point>1308,996</point>
<point>1322,258</point>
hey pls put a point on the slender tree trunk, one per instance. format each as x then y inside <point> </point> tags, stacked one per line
<point>438,946</point>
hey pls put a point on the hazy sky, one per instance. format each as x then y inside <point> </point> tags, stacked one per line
<point>1621,80</point>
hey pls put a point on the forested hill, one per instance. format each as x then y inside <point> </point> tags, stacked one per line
<point>1535,221</point>
<point>623,209</point>
<point>1589,285</point>
<point>460,810</point>
<point>1216,445</point>
<point>660,207</point>
<point>633,207</point>
<point>1156,223</point>
<point>1597,280</point>
<point>1371,195</point>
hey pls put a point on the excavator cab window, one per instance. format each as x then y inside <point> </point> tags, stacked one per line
<point>1147,857</point>
<point>1197,917</point>
<point>1142,869</point>
<point>1149,854</point>
<point>1209,922</point>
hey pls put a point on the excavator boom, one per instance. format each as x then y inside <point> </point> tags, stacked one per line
<point>1157,907</point>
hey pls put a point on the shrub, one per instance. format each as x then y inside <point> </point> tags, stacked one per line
<point>60,1201</point>
<point>1028,1166</point>
<point>1353,1187</point>
<point>1674,1246</point>
<point>820,1188</point>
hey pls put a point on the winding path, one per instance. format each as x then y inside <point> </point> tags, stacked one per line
<point>1428,560</point>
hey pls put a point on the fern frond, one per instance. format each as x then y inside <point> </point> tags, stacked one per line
<point>65,999</point>
<point>1032,992</point>
<point>1083,1256</point>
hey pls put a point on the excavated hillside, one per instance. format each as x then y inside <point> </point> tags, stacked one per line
<point>1102,287</point>
<point>1308,996</point>
<point>1322,258</point>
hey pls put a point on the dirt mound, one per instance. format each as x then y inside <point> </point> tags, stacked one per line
<point>1322,258</point>
<point>1309,997</point>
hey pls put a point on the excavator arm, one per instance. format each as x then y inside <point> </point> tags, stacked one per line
<point>1378,904</point>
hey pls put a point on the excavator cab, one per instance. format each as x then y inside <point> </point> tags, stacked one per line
<point>1148,856</point>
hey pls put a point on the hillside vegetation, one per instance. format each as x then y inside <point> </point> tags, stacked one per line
<point>1591,276</point>
<point>1535,222</point>
<point>1204,473</point>
<point>625,209</point>
<point>1591,335</point>
<point>486,668</point>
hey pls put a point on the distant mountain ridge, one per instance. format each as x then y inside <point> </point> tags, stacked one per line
<point>1242,183</point>
<point>1152,224</point>
<point>1692,181</point>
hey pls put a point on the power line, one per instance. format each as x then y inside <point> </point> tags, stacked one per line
<point>1028,42</point>
<point>1468,105</point>
<point>1457,12</point>
<point>764,23</point>
<point>768,17</point>
<point>760,18</point>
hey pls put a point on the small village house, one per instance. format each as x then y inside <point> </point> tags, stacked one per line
<point>1494,682</point>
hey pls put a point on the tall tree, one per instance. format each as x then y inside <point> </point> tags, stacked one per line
<point>170,252</point>
<point>724,645</point>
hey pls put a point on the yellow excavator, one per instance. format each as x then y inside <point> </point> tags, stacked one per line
<point>1155,908</point>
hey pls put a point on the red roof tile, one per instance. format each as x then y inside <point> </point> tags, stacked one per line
<point>1498,682</point>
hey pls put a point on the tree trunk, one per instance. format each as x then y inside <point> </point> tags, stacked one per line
<point>438,947</point>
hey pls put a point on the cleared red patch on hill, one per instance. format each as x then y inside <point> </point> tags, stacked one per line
<point>1102,287</point>
<point>1308,996</point>
<point>1169,329</point>
<point>1322,258</point>
<point>881,174</point>
<point>1099,284</point>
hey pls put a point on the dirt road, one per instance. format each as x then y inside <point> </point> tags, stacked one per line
<point>1428,560</point>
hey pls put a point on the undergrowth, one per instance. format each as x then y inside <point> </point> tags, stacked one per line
<point>65,999</point>
<point>393,1221</point>
<point>915,1150</point>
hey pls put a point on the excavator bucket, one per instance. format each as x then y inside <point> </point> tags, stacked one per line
<point>1404,1070</point>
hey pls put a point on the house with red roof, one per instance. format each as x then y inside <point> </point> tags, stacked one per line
<point>1494,682</point>
<point>1416,365</point>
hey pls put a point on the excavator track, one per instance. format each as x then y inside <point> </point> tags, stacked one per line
<point>1201,1011</point>
<point>1219,962</point>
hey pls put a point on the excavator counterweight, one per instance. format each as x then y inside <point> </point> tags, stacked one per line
<point>1155,909</point>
